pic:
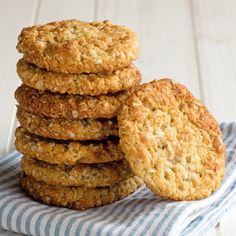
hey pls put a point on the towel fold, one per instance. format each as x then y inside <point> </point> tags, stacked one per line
<point>142,213</point>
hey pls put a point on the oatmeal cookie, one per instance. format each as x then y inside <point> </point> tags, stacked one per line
<point>88,175</point>
<point>172,141</point>
<point>64,152</point>
<point>80,198</point>
<point>82,84</point>
<point>63,129</point>
<point>69,106</point>
<point>73,46</point>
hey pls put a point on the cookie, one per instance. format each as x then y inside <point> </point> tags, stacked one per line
<point>88,175</point>
<point>82,84</point>
<point>73,46</point>
<point>63,129</point>
<point>69,106</point>
<point>172,141</point>
<point>69,153</point>
<point>80,198</point>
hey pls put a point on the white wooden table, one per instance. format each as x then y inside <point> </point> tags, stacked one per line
<point>193,42</point>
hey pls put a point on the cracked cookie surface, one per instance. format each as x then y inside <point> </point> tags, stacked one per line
<point>73,46</point>
<point>172,141</point>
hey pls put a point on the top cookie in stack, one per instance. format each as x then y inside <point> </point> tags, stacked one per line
<point>74,46</point>
<point>75,76</point>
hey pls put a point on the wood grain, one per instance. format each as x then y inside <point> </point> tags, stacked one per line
<point>13,19</point>
<point>38,13</point>
<point>62,10</point>
<point>165,32</point>
<point>214,23</point>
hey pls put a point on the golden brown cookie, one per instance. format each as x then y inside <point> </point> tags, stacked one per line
<point>82,84</point>
<point>80,198</point>
<point>172,141</point>
<point>64,152</point>
<point>69,106</point>
<point>63,129</point>
<point>88,175</point>
<point>73,46</point>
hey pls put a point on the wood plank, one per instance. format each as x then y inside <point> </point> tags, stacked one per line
<point>70,9</point>
<point>165,32</point>
<point>216,46</point>
<point>13,19</point>
<point>214,23</point>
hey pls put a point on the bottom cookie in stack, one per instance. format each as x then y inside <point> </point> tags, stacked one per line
<point>89,175</point>
<point>78,197</point>
<point>74,174</point>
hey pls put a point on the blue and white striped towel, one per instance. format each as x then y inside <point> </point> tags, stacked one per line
<point>140,214</point>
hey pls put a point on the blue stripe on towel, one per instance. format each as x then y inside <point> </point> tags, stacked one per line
<point>140,214</point>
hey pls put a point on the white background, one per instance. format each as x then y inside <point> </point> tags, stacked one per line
<point>193,42</point>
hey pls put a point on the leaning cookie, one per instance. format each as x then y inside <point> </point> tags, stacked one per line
<point>172,141</point>
<point>63,129</point>
<point>80,198</point>
<point>82,84</point>
<point>73,46</point>
<point>88,175</point>
<point>69,106</point>
<point>69,153</point>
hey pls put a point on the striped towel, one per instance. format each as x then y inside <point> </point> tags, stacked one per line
<point>140,214</point>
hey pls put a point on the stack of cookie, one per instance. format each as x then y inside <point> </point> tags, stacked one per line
<point>75,77</point>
